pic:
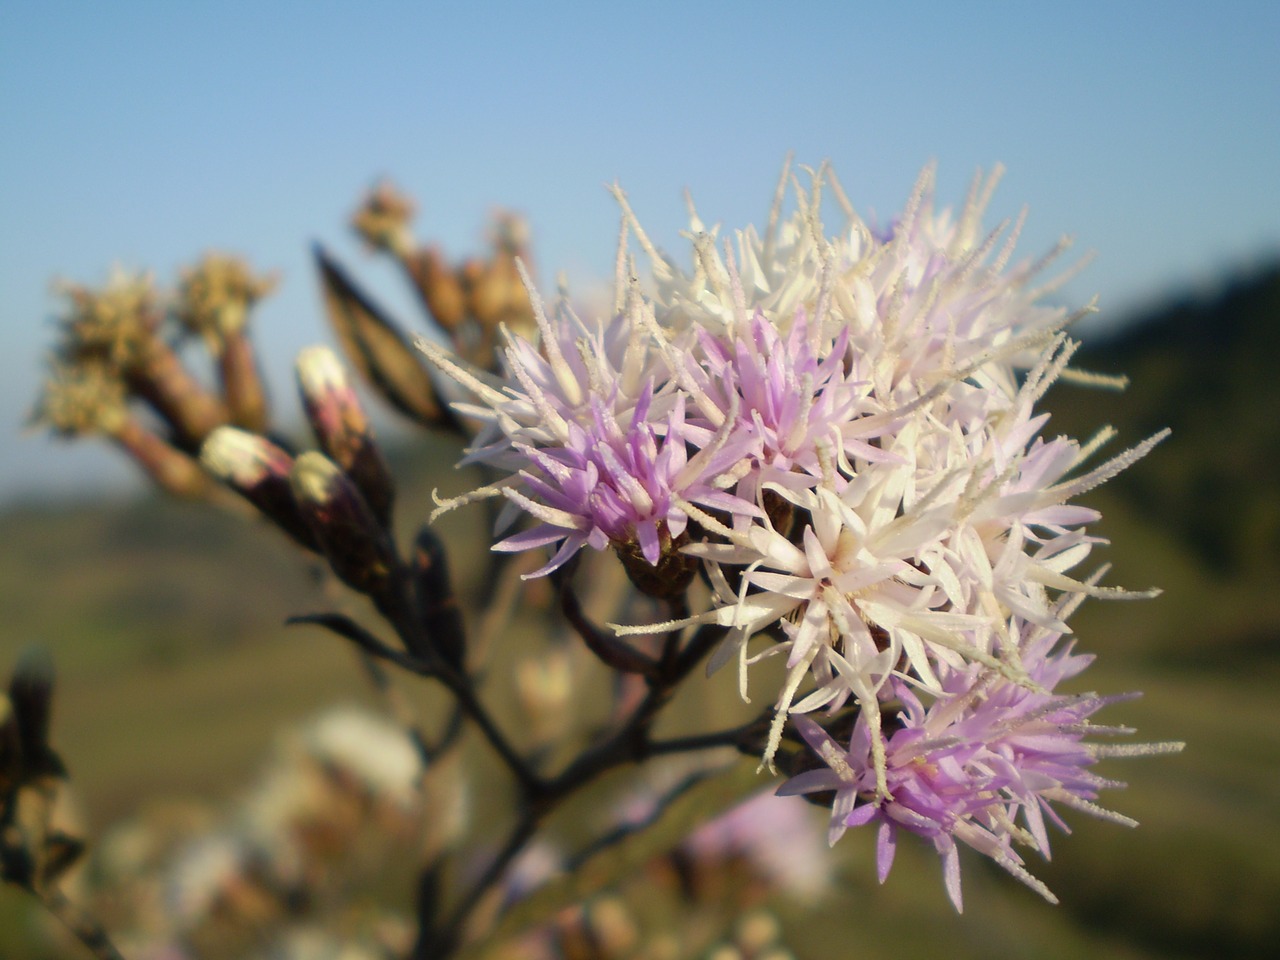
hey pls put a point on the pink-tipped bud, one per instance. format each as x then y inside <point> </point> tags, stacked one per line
<point>342,428</point>
<point>259,471</point>
<point>358,548</point>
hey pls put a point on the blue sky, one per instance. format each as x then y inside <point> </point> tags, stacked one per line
<point>147,133</point>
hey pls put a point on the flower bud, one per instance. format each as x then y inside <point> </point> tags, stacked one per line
<point>342,428</point>
<point>358,548</point>
<point>439,287</point>
<point>258,470</point>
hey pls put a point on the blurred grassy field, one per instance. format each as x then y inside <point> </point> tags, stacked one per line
<point>175,671</point>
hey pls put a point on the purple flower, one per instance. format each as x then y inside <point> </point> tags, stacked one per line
<point>596,438</point>
<point>606,485</point>
<point>983,764</point>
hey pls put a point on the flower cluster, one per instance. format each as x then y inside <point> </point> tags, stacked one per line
<point>841,429</point>
<point>982,763</point>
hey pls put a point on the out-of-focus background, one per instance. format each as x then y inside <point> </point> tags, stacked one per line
<point>145,134</point>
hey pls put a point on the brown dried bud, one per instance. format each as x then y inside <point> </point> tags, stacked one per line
<point>383,219</point>
<point>242,383</point>
<point>378,349</point>
<point>88,397</point>
<point>119,327</point>
<point>173,471</point>
<point>358,548</point>
<point>158,377</point>
<point>498,293</point>
<point>259,471</point>
<point>439,287</point>
<point>342,428</point>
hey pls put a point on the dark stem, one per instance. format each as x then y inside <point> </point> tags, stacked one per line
<point>611,651</point>
<point>737,737</point>
<point>630,744</point>
<point>475,711</point>
<point>79,921</point>
<point>396,604</point>
<point>438,943</point>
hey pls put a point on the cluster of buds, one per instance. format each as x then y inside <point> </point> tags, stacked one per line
<point>470,301</point>
<point>839,433</point>
<point>708,897</point>
<point>335,501</point>
<point>116,373</point>
<point>607,929</point>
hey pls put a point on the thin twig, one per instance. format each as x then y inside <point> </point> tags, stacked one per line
<point>433,943</point>
<point>79,921</point>
<point>735,737</point>
<point>610,650</point>
<point>625,830</point>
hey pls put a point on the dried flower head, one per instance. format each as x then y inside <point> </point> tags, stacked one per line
<point>383,219</point>
<point>81,398</point>
<point>215,296</point>
<point>112,323</point>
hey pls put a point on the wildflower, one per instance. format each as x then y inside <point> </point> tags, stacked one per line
<point>983,763</point>
<point>890,381</point>
<point>847,420</point>
<point>596,440</point>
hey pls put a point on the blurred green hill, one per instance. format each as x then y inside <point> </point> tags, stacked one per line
<point>1208,368</point>
<point>165,621</point>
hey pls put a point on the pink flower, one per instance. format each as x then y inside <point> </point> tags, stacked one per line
<point>984,763</point>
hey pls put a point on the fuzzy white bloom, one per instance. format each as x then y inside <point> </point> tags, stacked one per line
<point>377,753</point>
<point>919,508</point>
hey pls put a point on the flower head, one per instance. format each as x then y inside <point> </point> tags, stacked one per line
<point>842,429</point>
<point>983,763</point>
<point>597,439</point>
